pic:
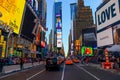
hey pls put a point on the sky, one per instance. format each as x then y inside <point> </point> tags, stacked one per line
<point>66,25</point>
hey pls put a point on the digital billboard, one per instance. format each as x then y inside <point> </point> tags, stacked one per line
<point>12,12</point>
<point>89,37</point>
<point>28,25</point>
<point>88,51</point>
<point>59,43</point>
<point>59,38</point>
<point>58,22</point>
<point>59,35</point>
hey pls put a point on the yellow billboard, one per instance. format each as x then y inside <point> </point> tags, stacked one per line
<point>77,42</point>
<point>11,13</point>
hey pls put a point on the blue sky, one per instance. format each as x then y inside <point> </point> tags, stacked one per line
<point>66,17</point>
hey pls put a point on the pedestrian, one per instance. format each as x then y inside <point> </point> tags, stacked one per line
<point>83,59</point>
<point>39,60</point>
<point>32,59</point>
<point>21,63</point>
<point>1,64</point>
<point>87,59</point>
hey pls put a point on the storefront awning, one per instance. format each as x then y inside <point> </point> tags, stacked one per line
<point>114,48</point>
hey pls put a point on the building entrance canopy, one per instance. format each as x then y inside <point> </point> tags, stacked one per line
<point>114,48</point>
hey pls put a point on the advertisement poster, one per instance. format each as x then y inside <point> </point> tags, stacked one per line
<point>58,22</point>
<point>88,51</point>
<point>105,38</point>
<point>59,43</point>
<point>11,13</point>
<point>108,25</point>
<point>108,14</point>
<point>116,32</point>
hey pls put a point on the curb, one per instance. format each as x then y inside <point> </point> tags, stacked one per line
<point>99,67</point>
<point>17,70</point>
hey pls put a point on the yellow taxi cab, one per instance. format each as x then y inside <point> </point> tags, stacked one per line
<point>75,60</point>
<point>68,61</point>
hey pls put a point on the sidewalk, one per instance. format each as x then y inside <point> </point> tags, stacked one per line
<point>100,67</point>
<point>14,68</point>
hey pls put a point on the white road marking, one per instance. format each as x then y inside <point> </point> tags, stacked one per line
<point>11,74</point>
<point>88,72</point>
<point>7,75</point>
<point>35,74</point>
<point>81,65</point>
<point>62,78</point>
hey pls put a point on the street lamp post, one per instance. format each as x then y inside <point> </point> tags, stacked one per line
<point>10,31</point>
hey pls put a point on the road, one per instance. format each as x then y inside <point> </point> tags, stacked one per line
<point>66,72</point>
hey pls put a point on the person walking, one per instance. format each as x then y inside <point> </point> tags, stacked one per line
<point>32,60</point>
<point>21,63</point>
<point>1,64</point>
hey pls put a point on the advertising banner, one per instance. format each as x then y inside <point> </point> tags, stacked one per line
<point>77,42</point>
<point>88,51</point>
<point>59,30</point>
<point>59,35</point>
<point>116,34</point>
<point>59,43</point>
<point>42,44</point>
<point>108,14</point>
<point>105,38</point>
<point>11,13</point>
<point>58,22</point>
<point>28,25</point>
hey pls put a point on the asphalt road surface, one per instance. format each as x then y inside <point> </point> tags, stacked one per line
<point>66,72</point>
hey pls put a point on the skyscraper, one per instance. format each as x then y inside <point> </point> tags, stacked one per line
<point>73,7</point>
<point>83,19</point>
<point>57,24</point>
<point>50,40</point>
<point>69,42</point>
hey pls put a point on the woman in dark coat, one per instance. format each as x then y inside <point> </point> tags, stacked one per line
<point>21,63</point>
<point>1,64</point>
